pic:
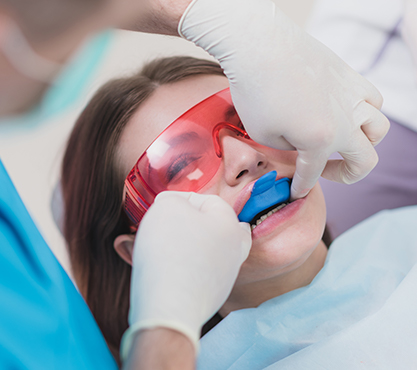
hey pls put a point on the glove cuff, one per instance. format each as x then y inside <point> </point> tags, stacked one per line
<point>187,10</point>
<point>129,334</point>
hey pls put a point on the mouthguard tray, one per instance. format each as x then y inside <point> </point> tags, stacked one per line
<point>266,193</point>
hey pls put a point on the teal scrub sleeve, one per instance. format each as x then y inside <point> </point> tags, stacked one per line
<point>44,321</point>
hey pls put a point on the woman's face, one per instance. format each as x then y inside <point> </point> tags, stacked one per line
<point>283,241</point>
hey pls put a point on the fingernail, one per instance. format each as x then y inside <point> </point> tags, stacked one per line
<point>245,226</point>
<point>300,194</point>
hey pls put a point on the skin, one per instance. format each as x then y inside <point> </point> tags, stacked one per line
<point>18,93</point>
<point>168,348</point>
<point>286,253</point>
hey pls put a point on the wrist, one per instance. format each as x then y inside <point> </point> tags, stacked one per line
<point>160,348</point>
<point>224,28</point>
<point>153,324</point>
<point>162,17</point>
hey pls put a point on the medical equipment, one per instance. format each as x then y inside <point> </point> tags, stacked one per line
<point>266,194</point>
<point>185,156</point>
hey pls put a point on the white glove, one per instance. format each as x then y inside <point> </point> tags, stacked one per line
<point>290,90</point>
<point>187,255</point>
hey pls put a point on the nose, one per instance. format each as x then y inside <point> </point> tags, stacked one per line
<point>241,159</point>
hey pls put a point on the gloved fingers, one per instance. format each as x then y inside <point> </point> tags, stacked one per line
<point>246,240</point>
<point>213,204</point>
<point>201,202</point>
<point>357,162</point>
<point>373,122</point>
<point>273,141</point>
<point>309,166</point>
<point>169,194</point>
<point>194,199</point>
<point>373,96</point>
<point>282,144</point>
<point>245,226</point>
<point>209,203</point>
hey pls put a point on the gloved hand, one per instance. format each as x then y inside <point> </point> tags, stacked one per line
<point>187,255</point>
<point>290,90</point>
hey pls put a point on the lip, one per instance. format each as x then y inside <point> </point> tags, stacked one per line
<point>243,197</point>
<point>277,219</point>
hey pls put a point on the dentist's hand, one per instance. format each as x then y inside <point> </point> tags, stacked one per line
<point>290,90</point>
<point>188,252</point>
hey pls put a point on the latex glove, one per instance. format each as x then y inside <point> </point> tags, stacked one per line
<point>290,90</point>
<point>187,255</point>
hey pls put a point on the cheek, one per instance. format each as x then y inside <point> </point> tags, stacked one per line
<point>218,186</point>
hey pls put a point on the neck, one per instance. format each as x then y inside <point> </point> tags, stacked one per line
<point>253,294</point>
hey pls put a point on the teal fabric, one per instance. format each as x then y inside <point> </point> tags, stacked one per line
<point>360,311</point>
<point>44,321</point>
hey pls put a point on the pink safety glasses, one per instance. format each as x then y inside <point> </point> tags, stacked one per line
<point>184,157</point>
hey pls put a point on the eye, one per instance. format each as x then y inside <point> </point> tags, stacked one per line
<point>182,166</point>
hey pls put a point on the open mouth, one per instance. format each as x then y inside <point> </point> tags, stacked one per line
<point>263,215</point>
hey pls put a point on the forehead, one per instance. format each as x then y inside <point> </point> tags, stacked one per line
<point>166,104</point>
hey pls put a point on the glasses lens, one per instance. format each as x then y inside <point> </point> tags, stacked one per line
<point>184,157</point>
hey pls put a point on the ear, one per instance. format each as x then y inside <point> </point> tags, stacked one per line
<point>123,245</point>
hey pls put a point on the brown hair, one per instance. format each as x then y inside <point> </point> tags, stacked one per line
<point>92,188</point>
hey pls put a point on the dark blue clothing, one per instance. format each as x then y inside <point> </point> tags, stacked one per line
<point>44,321</point>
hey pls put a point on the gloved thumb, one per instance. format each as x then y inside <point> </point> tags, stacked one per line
<point>246,240</point>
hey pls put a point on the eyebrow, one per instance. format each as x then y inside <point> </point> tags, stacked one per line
<point>230,112</point>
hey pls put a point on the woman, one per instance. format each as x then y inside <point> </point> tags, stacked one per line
<point>288,251</point>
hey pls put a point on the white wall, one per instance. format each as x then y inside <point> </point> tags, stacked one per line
<point>33,158</point>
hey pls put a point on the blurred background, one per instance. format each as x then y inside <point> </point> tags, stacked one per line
<point>33,156</point>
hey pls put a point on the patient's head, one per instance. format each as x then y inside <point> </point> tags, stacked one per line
<point>115,129</point>
<point>282,241</point>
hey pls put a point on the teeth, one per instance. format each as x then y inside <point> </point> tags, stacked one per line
<point>270,213</point>
<point>281,206</point>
